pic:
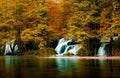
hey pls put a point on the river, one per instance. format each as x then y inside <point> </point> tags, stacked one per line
<point>59,67</point>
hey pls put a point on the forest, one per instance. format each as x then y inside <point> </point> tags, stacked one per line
<point>37,25</point>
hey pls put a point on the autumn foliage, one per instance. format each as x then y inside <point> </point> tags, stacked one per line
<point>45,21</point>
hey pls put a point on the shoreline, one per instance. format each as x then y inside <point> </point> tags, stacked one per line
<point>84,57</point>
<point>71,57</point>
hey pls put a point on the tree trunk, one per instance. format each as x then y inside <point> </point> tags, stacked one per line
<point>18,39</point>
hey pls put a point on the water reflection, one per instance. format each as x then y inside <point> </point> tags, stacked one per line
<point>36,67</point>
<point>9,67</point>
<point>66,67</point>
<point>88,68</point>
<point>65,64</point>
<point>7,62</point>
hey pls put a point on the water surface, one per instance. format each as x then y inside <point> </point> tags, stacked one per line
<point>58,67</point>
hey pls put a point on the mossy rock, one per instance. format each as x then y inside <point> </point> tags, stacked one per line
<point>68,54</point>
<point>46,52</point>
<point>83,52</point>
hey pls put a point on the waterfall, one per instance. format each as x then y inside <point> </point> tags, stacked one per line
<point>14,46</point>
<point>11,46</point>
<point>102,50</point>
<point>106,46</point>
<point>64,47</point>
<point>7,49</point>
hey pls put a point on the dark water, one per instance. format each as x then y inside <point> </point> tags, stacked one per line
<point>35,67</point>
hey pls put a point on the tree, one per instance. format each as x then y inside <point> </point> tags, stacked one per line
<point>19,15</point>
<point>56,19</point>
<point>80,17</point>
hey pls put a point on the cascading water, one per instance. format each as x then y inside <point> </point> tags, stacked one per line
<point>11,46</point>
<point>64,47</point>
<point>14,46</point>
<point>102,50</point>
<point>106,46</point>
<point>7,49</point>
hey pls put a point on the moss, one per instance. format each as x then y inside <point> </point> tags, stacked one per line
<point>83,52</point>
<point>116,48</point>
<point>44,52</point>
<point>68,54</point>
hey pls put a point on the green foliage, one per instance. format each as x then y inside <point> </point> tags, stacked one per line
<point>45,52</point>
<point>83,52</point>
<point>80,17</point>
<point>22,19</point>
<point>68,54</point>
<point>35,34</point>
<point>116,47</point>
